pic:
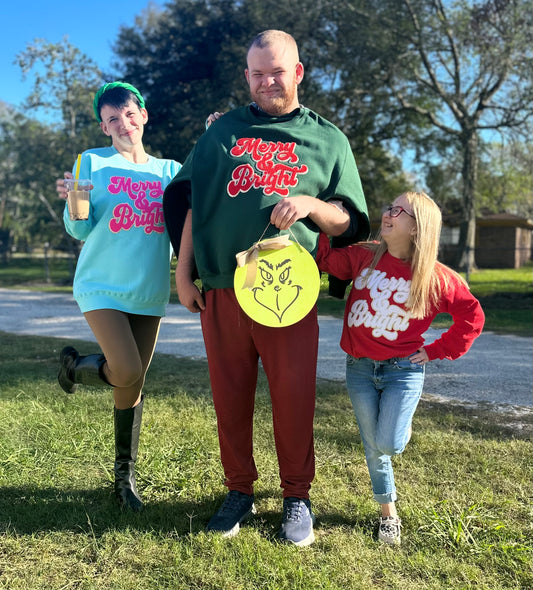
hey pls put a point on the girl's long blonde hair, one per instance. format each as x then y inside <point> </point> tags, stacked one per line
<point>430,277</point>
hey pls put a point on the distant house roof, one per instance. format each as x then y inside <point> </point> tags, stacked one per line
<point>505,219</point>
<point>495,219</point>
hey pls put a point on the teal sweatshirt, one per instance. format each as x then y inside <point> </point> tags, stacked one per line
<point>242,166</point>
<point>124,263</point>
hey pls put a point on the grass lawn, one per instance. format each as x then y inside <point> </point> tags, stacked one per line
<point>464,484</point>
<point>464,481</point>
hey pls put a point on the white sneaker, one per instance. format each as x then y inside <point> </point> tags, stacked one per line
<point>389,530</point>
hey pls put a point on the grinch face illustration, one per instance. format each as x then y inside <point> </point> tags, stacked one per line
<point>276,291</point>
<point>285,289</point>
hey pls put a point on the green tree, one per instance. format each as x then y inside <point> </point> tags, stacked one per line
<point>188,59</point>
<point>33,153</point>
<point>462,69</point>
<point>506,179</point>
<point>354,54</point>
<point>64,83</point>
<point>176,57</point>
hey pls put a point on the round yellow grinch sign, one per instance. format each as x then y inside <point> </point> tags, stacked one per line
<point>276,282</point>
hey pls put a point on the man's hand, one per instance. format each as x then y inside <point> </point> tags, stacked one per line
<point>189,295</point>
<point>289,210</point>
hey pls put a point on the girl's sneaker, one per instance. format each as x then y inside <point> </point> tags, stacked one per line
<point>389,530</point>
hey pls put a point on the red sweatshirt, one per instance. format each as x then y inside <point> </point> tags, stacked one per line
<point>377,324</point>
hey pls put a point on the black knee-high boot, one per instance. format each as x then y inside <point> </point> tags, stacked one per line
<point>127,430</point>
<point>80,369</point>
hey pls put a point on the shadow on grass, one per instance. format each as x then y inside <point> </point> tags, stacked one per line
<point>26,511</point>
<point>34,511</point>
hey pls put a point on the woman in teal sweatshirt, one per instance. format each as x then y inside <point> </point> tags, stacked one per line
<point>122,280</point>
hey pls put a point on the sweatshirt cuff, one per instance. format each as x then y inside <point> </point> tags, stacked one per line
<point>432,350</point>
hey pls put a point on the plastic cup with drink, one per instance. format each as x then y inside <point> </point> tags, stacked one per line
<point>78,192</point>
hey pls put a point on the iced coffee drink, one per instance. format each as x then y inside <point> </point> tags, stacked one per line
<point>78,198</point>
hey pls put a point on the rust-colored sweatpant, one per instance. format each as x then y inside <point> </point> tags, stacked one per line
<point>234,343</point>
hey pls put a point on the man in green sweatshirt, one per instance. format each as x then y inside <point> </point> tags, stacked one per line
<point>258,171</point>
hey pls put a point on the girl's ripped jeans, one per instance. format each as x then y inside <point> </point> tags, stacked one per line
<point>384,396</point>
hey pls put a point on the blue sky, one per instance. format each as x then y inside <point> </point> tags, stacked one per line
<point>91,26</point>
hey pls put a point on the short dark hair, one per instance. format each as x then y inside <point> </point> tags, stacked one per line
<point>118,98</point>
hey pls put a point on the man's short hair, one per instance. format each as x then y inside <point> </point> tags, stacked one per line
<point>271,36</point>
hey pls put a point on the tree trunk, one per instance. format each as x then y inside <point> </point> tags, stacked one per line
<point>465,259</point>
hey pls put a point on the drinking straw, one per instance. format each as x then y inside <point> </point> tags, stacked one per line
<point>78,162</point>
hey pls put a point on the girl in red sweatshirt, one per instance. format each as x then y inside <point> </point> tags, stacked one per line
<point>398,289</point>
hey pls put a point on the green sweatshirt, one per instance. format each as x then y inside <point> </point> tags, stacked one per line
<point>241,167</point>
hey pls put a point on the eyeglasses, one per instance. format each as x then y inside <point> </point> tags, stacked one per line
<point>395,210</point>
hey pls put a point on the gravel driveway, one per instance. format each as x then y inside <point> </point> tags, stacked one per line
<point>498,368</point>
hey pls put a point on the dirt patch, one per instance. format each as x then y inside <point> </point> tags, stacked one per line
<point>502,419</point>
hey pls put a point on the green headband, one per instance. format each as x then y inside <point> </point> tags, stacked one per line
<point>109,86</point>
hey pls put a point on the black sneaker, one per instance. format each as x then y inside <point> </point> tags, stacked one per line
<point>237,508</point>
<point>298,521</point>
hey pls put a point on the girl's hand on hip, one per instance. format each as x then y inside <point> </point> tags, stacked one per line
<point>420,357</point>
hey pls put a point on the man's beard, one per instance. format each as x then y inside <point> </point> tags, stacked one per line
<point>278,105</point>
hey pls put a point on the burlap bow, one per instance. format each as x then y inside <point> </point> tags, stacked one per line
<point>251,256</point>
